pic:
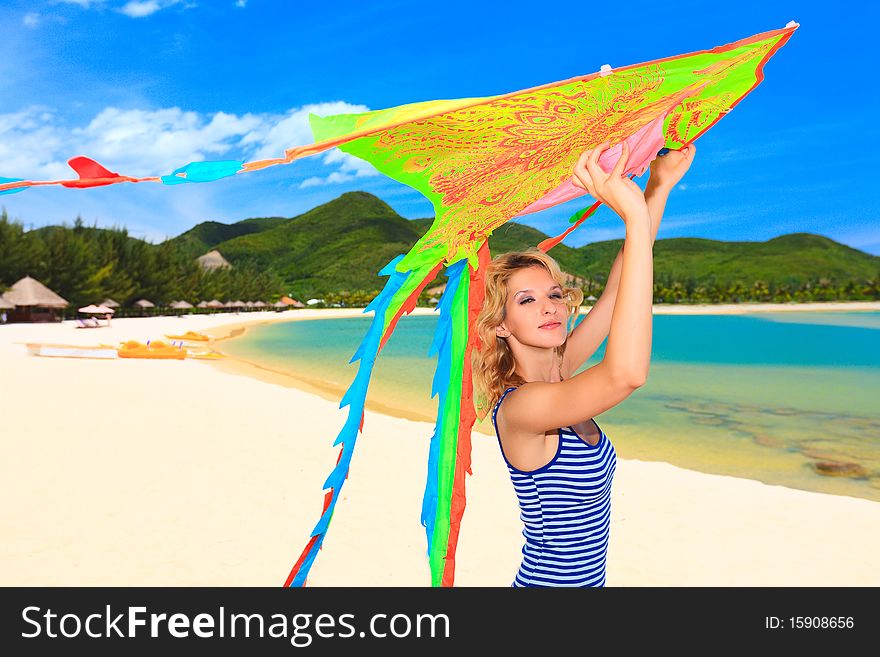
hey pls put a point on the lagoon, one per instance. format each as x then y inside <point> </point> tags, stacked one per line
<point>760,395</point>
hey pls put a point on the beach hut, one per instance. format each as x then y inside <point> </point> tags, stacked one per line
<point>181,306</point>
<point>260,304</point>
<point>279,306</point>
<point>33,302</point>
<point>110,303</point>
<point>214,303</point>
<point>143,305</point>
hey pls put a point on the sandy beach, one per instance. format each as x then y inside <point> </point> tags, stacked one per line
<point>130,472</point>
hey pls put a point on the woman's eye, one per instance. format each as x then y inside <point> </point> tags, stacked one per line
<point>527,299</point>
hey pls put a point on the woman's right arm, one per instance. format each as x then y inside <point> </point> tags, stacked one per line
<point>537,407</point>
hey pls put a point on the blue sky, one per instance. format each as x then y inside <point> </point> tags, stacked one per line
<point>146,86</point>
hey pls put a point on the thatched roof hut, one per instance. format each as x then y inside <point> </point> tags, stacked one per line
<point>33,302</point>
<point>143,303</point>
<point>110,303</point>
<point>214,303</point>
<point>30,292</point>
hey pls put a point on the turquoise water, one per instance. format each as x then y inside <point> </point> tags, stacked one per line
<point>764,396</point>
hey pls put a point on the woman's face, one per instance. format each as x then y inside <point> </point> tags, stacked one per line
<point>536,310</point>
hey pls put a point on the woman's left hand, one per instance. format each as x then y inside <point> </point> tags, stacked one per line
<point>667,170</point>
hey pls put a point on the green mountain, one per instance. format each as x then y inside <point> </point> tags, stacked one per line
<point>341,245</point>
<point>205,236</point>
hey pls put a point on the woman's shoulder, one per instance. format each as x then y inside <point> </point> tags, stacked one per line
<point>501,398</point>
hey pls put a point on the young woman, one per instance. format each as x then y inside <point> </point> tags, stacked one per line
<point>560,462</point>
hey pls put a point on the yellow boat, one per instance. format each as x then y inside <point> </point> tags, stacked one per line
<point>205,355</point>
<point>155,349</point>
<point>190,336</point>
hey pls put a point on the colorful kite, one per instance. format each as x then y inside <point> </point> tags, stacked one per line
<point>483,162</point>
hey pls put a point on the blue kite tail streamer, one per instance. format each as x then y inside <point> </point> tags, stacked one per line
<point>355,399</point>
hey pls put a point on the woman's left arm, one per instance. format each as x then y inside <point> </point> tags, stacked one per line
<point>586,337</point>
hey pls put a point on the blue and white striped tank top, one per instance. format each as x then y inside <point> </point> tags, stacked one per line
<point>566,510</point>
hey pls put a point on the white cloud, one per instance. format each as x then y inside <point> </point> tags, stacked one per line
<point>350,168</point>
<point>241,3</point>
<point>85,4</point>
<point>35,144</point>
<point>34,19</point>
<point>141,8</point>
<point>131,8</point>
<point>146,141</point>
<point>282,132</point>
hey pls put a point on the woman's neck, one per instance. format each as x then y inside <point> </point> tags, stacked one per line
<point>548,372</point>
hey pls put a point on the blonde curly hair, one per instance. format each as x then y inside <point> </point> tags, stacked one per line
<point>492,363</point>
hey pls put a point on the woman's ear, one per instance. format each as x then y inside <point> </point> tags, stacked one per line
<point>502,332</point>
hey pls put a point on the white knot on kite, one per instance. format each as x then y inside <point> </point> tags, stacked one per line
<point>605,70</point>
<point>792,24</point>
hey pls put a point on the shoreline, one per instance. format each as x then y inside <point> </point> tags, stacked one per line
<point>237,366</point>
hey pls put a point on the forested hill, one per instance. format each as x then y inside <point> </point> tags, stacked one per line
<point>341,245</point>
<point>337,249</point>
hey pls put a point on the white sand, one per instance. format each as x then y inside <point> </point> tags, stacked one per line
<point>138,472</point>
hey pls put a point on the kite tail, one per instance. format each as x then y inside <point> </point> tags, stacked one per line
<point>399,296</point>
<point>577,219</point>
<point>449,458</point>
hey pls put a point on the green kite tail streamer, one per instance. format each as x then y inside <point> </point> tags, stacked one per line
<point>449,457</point>
<point>449,338</point>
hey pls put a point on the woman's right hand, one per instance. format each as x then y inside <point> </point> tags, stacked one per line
<point>613,189</point>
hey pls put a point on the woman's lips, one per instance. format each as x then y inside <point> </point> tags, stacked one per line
<point>551,325</point>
